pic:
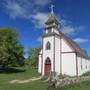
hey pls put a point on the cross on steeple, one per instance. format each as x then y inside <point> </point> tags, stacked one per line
<point>52,8</point>
<point>52,18</point>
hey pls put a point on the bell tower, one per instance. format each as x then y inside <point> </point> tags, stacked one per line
<point>51,44</point>
<point>52,24</point>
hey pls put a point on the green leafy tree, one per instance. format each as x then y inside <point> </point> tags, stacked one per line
<point>33,56</point>
<point>11,51</point>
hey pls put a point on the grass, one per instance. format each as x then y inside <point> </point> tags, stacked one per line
<point>86,74</point>
<point>35,85</point>
<point>82,86</point>
<point>29,73</point>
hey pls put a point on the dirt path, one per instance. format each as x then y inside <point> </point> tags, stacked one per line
<point>25,81</point>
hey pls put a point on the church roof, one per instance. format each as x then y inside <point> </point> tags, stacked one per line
<point>52,19</point>
<point>75,46</point>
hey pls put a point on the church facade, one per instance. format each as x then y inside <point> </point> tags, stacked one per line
<point>59,53</point>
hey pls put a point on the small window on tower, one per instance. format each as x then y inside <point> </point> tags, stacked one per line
<point>48,46</point>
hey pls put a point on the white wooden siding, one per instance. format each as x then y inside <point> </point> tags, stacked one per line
<point>65,46</point>
<point>57,54</point>
<point>69,64</point>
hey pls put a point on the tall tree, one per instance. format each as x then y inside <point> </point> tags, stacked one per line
<point>11,51</point>
<point>33,56</point>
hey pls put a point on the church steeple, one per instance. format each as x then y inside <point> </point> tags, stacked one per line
<point>52,9</point>
<point>52,22</point>
<point>52,18</point>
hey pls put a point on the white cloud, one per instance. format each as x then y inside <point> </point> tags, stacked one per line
<point>65,22</point>
<point>81,40</point>
<point>27,9</point>
<point>23,8</point>
<point>69,29</point>
<point>30,10</point>
<point>15,10</point>
<point>39,19</point>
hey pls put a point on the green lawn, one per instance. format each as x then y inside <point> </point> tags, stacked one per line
<point>35,85</point>
<point>29,73</point>
<point>86,74</point>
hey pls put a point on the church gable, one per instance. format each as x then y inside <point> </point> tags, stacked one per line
<point>74,46</point>
<point>65,46</point>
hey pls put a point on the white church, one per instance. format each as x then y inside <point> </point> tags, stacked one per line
<point>59,53</point>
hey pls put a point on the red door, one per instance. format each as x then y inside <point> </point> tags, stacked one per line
<point>47,69</point>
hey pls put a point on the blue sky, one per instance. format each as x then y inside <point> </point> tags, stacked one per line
<point>28,17</point>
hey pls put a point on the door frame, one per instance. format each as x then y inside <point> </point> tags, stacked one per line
<point>47,62</point>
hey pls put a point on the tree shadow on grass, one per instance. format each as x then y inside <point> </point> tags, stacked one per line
<point>11,70</point>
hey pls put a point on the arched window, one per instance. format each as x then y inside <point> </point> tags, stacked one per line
<point>48,61</point>
<point>48,46</point>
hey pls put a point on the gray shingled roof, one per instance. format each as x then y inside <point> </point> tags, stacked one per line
<point>75,46</point>
<point>52,18</point>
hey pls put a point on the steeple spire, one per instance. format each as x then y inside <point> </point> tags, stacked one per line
<point>52,23</point>
<point>52,9</point>
<point>52,20</point>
